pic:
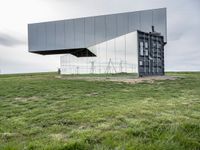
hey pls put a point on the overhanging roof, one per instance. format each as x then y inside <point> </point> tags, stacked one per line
<point>76,35</point>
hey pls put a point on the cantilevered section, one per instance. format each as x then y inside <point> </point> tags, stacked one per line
<point>75,36</point>
<point>81,52</point>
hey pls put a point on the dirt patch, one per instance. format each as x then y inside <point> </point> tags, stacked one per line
<point>25,99</point>
<point>124,79</point>
<point>58,136</point>
<point>7,135</point>
<point>92,94</point>
<point>145,79</point>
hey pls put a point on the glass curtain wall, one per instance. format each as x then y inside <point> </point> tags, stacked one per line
<point>114,56</point>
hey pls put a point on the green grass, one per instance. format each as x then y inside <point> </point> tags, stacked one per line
<point>40,111</point>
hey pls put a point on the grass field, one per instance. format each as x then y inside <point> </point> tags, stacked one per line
<point>41,111</point>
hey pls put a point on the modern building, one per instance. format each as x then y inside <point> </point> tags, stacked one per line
<point>130,42</point>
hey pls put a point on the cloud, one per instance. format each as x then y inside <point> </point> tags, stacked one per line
<point>17,60</point>
<point>7,40</point>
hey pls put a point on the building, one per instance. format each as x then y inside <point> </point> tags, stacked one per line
<point>130,42</point>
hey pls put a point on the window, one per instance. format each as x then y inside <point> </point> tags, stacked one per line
<point>146,53</point>
<point>141,48</point>
<point>141,63</point>
<point>146,44</point>
<point>159,45</point>
<point>154,45</point>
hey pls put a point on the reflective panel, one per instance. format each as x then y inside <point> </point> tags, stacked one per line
<point>111,52</point>
<point>79,33</point>
<point>50,35</point>
<point>100,33</point>
<point>89,31</point>
<point>93,49</point>
<point>132,52</point>
<point>159,21</point>
<point>30,37</point>
<point>134,21</point>
<point>33,37</point>
<point>41,36</point>
<point>108,36</point>
<point>102,56</point>
<point>111,26</point>
<point>121,53</point>
<point>60,34</point>
<point>122,24</point>
<point>69,34</point>
<point>146,20</point>
<point>113,56</point>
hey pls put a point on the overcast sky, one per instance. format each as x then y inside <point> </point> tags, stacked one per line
<point>182,52</point>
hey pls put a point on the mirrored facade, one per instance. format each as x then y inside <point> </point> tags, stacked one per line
<point>114,56</point>
<point>105,44</point>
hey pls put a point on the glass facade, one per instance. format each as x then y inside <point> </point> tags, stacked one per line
<point>136,52</point>
<point>48,37</point>
<point>114,56</point>
<point>131,42</point>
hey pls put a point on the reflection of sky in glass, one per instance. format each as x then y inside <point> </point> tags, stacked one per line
<point>114,56</point>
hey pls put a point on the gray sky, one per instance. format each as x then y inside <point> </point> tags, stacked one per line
<point>182,52</point>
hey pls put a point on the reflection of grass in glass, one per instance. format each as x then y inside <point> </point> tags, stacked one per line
<point>42,111</point>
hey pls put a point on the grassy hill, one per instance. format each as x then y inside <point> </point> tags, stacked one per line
<point>44,111</point>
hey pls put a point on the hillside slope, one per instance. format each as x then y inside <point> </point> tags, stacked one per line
<point>42,111</point>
